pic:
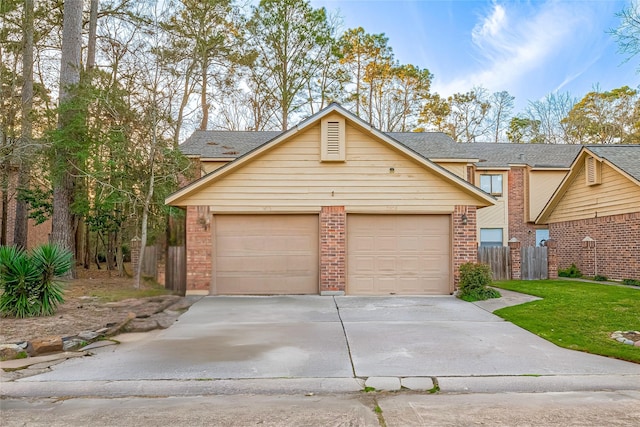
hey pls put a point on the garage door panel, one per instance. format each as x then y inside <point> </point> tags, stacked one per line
<point>410,254</point>
<point>266,254</point>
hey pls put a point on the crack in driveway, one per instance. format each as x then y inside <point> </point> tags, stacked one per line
<point>346,339</point>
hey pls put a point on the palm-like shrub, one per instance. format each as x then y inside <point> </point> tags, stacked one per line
<point>28,281</point>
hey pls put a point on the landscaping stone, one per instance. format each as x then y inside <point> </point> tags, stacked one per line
<point>72,344</point>
<point>165,319</point>
<point>45,345</point>
<point>88,335</point>
<point>98,344</point>
<point>11,352</point>
<point>141,325</point>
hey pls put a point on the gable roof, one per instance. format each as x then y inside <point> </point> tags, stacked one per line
<point>354,120</point>
<point>623,158</point>
<point>430,145</point>
<point>224,144</point>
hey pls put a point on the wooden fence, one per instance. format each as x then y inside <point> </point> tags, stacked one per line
<point>176,269</point>
<point>150,261</point>
<point>534,263</point>
<point>499,259</point>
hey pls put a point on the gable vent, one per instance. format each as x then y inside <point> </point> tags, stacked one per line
<point>333,140</point>
<point>592,171</point>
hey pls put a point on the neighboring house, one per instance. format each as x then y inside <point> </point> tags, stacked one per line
<point>37,234</point>
<point>594,215</point>
<point>329,206</point>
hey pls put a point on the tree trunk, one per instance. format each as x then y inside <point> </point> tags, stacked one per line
<point>93,26</point>
<point>64,185</point>
<point>203,97</point>
<point>22,215</point>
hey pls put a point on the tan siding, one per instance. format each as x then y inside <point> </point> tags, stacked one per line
<point>496,216</point>
<point>542,185</point>
<point>616,195</point>
<point>290,177</point>
<point>208,166</point>
<point>459,169</point>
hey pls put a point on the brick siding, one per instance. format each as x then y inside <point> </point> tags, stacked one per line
<point>519,228</point>
<point>199,248</point>
<point>617,246</point>
<point>333,237</point>
<point>465,242</point>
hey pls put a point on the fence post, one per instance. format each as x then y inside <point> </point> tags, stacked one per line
<point>135,254</point>
<point>552,259</point>
<point>516,264</point>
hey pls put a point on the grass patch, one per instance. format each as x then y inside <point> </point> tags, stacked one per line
<point>577,315</point>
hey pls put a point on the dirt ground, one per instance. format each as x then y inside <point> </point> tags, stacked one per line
<point>82,309</point>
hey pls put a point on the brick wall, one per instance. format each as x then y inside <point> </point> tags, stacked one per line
<point>332,248</point>
<point>465,242</point>
<point>519,228</point>
<point>199,248</point>
<point>36,234</point>
<point>617,247</point>
<point>11,205</point>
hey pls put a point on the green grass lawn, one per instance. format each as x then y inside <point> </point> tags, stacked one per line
<point>577,315</point>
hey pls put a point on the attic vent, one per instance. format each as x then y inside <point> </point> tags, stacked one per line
<point>333,140</point>
<point>592,171</point>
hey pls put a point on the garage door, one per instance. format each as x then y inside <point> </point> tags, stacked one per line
<point>398,254</point>
<point>266,254</point>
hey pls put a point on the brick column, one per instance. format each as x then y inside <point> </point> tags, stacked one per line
<point>587,263</point>
<point>333,221</point>
<point>465,242</point>
<point>199,247</point>
<point>514,251</point>
<point>552,259</point>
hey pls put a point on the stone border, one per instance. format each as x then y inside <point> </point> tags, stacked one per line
<point>619,336</point>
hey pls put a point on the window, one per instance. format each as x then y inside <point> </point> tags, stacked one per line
<point>491,184</point>
<point>542,235</point>
<point>490,237</point>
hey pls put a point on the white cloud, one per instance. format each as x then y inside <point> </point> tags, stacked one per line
<point>510,43</point>
<point>491,25</point>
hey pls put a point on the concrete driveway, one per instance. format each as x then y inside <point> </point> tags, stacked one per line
<point>334,337</point>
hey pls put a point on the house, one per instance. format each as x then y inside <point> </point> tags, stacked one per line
<point>594,215</point>
<point>329,206</point>
<point>520,177</point>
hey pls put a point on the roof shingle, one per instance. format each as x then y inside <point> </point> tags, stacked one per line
<point>431,145</point>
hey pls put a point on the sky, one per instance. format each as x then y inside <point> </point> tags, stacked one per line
<point>528,48</point>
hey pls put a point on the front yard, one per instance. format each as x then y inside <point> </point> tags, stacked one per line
<point>577,315</point>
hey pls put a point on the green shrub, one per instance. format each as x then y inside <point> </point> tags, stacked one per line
<point>631,282</point>
<point>572,271</point>
<point>600,278</point>
<point>474,281</point>
<point>28,280</point>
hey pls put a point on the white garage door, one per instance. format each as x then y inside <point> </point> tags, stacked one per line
<point>266,254</point>
<point>398,254</point>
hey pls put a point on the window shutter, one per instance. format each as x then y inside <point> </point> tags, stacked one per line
<point>592,171</point>
<point>333,140</point>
